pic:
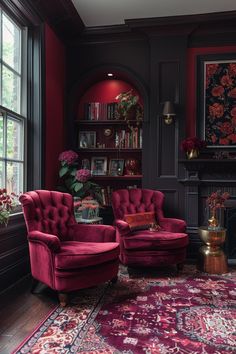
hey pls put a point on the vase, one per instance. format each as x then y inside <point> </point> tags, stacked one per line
<point>192,154</point>
<point>132,167</point>
<point>213,222</point>
<point>90,209</point>
<point>77,207</point>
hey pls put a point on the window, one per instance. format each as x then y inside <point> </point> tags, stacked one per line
<point>12,165</point>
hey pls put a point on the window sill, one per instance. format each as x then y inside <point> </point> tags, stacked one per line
<point>15,222</point>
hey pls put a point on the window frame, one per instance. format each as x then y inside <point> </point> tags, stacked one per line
<point>6,112</point>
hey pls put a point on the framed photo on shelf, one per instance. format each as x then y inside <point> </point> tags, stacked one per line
<point>99,166</point>
<point>116,167</point>
<point>216,77</point>
<point>87,139</point>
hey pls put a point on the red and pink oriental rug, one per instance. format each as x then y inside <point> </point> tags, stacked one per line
<point>155,312</point>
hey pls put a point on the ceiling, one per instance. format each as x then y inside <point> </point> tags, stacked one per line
<point>115,12</point>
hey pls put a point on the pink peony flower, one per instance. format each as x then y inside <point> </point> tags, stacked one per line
<point>68,156</point>
<point>83,175</point>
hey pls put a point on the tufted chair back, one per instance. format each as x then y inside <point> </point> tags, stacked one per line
<point>131,201</point>
<point>48,212</point>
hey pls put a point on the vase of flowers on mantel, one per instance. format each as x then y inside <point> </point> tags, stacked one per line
<point>192,146</point>
<point>216,203</point>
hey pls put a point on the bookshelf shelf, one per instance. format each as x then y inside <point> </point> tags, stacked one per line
<point>124,177</point>
<point>106,150</point>
<point>108,143</point>
<point>104,122</point>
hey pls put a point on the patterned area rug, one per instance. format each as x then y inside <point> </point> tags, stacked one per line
<point>145,312</point>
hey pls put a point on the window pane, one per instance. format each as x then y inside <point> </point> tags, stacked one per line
<point>10,44</point>
<point>14,177</point>
<point>14,139</point>
<point>1,137</point>
<point>2,175</point>
<point>10,90</point>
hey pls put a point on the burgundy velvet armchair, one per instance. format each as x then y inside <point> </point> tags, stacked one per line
<point>65,255</point>
<point>165,246</point>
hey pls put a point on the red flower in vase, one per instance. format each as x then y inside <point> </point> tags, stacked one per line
<point>217,200</point>
<point>192,143</point>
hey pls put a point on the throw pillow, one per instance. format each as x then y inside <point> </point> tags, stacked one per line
<point>140,221</point>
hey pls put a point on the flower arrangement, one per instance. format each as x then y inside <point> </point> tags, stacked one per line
<point>74,180</point>
<point>217,200</point>
<point>7,202</point>
<point>128,103</point>
<point>86,208</point>
<point>192,143</point>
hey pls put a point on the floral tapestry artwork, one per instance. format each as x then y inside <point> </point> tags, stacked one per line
<point>220,103</point>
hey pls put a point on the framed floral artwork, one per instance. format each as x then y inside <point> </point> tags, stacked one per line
<point>216,104</point>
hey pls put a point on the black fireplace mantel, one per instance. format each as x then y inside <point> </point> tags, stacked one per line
<point>200,177</point>
<point>208,163</point>
<point>208,171</point>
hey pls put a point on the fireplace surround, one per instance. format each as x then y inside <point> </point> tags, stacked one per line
<point>200,178</point>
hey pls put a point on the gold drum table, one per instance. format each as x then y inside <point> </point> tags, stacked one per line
<point>212,258</point>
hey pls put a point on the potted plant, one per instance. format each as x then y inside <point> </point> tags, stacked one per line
<point>129,107</point>
<point>216,201</point>
<point>192,146</point>
<point>75,180</point>
<point>7,202</point>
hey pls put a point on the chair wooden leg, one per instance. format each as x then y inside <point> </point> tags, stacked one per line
<point>63,299</point>
<point>180,267</point>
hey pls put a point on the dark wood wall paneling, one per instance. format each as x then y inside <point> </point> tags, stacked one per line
<point>152,52</point>
<point>14,255</point>
<point>202,177</point>
<point>155,51</point>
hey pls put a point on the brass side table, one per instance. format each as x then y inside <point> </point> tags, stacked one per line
<point>212,258</point>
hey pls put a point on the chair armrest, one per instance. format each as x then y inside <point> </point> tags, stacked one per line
<point>92,233</point>
<point>122,227</point>
<point>172,225</point>
<point>51,241</point>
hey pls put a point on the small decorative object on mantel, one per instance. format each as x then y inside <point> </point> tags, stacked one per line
<point>7,202</point>
<point>216,201</point>
<point>128,107</point>
<point>192,146</point>
<point>132,167</point>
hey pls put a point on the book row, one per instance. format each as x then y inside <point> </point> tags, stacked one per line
<point>107,194</point>
<point>101,111</point>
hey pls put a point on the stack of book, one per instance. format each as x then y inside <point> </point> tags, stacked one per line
<point>100,111</point>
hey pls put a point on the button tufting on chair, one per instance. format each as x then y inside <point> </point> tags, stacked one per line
<point>65,255</point>
<point>164,246</point>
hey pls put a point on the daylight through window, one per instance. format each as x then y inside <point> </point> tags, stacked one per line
<point>11,119</point>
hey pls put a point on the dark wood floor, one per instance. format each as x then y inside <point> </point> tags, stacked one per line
<point>21,312</point>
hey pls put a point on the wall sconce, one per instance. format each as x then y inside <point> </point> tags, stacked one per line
<point>168,112</point>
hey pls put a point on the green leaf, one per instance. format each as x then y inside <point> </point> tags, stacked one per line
<point>78,187</point>
<point>63,171</point>
<point>73,172</point>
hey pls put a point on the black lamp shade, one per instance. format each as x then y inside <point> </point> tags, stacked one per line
<point>168,109</point>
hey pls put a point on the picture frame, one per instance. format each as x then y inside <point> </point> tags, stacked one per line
<point>216,99</point>
<point>116,167</point>
<point>87,139</point>
<point>99,165</point>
